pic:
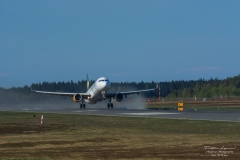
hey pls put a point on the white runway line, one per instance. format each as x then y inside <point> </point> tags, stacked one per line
<point>77,111</point>
<point>25,109</point>
<point>86,111</point>
<point>37,108</point>
<point>148,113</point>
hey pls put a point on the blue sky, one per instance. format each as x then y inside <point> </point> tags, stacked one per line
<point>122,40</point>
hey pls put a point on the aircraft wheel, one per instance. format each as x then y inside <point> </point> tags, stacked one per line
<point>84,106</point>
<point>108,105</point>
<point>80,106</point>
<point>111,105</point>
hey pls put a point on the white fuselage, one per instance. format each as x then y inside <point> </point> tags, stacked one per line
<point>97,90</point>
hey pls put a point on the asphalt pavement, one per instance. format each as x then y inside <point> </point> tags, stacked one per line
<point>172,114</point>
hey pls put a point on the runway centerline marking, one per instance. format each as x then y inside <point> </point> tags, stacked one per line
<point>148,113</point>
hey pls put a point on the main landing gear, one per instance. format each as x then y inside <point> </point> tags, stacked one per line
<point>82,105</point>
<point>110,105</point>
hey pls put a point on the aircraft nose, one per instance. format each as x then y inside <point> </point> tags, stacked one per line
<point>104,85</point>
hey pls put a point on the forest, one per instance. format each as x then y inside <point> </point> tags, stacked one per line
<point>201,88</point>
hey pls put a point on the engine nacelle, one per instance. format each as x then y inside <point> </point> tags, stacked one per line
<point>119,97</point>
<point>77,98</point>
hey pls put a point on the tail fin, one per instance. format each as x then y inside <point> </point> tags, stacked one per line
<point>88,82</point>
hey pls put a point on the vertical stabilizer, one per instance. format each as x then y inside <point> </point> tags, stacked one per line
<point>88,83</point>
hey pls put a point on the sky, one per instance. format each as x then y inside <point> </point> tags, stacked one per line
<point>125,41</point>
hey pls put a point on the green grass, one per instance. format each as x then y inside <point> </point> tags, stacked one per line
<point>70,136</point>
<point>63,122</point>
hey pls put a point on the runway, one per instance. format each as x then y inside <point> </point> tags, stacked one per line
<point>193,115</point>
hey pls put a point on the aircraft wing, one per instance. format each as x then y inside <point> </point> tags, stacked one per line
<point>84,95</point>
<point>113,94</point>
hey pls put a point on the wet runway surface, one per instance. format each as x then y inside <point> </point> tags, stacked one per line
<point>194,115</point>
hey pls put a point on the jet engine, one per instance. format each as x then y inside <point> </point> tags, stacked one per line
<point>77,98</point>
<point>119,97</point>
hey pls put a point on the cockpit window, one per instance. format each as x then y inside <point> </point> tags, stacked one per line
<point>102,80</point>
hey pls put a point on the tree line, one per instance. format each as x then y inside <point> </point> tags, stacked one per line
<point>173,89</point>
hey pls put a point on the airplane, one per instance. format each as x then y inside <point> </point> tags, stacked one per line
<point>97,92</point>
